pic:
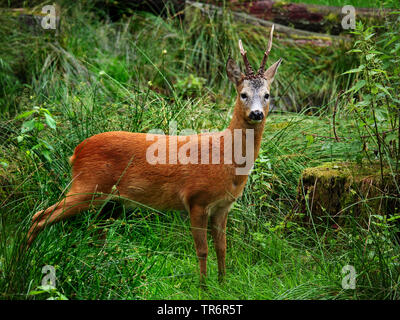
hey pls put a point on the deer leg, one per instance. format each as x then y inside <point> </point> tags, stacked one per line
<point>110,211</point>
<point>218,232</point>
<point>198,221</point>
<point>66,208</point>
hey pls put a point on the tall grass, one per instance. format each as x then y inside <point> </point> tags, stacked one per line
<point>138,74</point>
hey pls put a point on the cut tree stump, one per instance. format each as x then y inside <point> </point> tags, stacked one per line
<point>334,193</point>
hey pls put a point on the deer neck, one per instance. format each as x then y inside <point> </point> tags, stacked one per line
<point>241,126</point>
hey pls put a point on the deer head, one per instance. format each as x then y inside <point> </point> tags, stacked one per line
<point>253,88</point>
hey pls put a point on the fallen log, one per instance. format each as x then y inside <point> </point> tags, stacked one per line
<point>288,31</point>
<point>309,17</point>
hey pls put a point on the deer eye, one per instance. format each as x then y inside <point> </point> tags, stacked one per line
<point>243,96</point>
<point>266,96</point>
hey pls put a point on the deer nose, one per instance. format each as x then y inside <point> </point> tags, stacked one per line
<point>256,115</point>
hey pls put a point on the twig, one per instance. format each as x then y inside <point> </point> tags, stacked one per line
<point>378,138</point>
<point>334,116</point>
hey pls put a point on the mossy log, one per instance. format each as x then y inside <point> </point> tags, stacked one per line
<point>309,17</point>
<point>291,33</point>
<point>334,193</point>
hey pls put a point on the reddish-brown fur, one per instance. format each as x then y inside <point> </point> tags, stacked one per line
<point>113,165</point>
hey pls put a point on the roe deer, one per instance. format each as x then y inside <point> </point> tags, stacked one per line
<point>116,165</point>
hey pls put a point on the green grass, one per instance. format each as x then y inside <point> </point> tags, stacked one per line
<point>96,79</point>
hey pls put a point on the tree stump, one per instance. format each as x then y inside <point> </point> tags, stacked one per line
<point>334,193</point>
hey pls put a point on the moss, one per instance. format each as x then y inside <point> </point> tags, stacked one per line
<point>332,17</point>
<point>23,12</point>
<point>327,171</point>
<point>278,126</point>
<point>279,4</point>
<point>346,169</point>
<point>313,10</point>
<point>303,37</point>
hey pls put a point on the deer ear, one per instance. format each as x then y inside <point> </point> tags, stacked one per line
<point>270,73</point>
<point>233,72</point>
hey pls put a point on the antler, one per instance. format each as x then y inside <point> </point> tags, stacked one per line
<point>266,53</point>
<point>249,70</point>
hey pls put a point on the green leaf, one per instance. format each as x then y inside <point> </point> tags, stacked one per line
<point>39,126</point>
<point>36,292</point>
<point>4,164</point>
<point>377,71</point>
<point>45,111</point>
<point>354,50</point>
<point>359,69</point>
<point>369,36</point>
<point>369,56</point>
<point>47,288</point>
<point>384,89</point>
<point>393,218</point>
<point>357,86</point>
<point>310,140</point>
<point>393,39</point>
<point>381,115</point>
<point>25,114</point>
<point>45,144</point>
<point>28,126</point>
<point>50,121</point>
<point>392,136</point>
<point>47,155</point>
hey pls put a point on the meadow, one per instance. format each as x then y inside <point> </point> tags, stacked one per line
<point>145,71</point>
